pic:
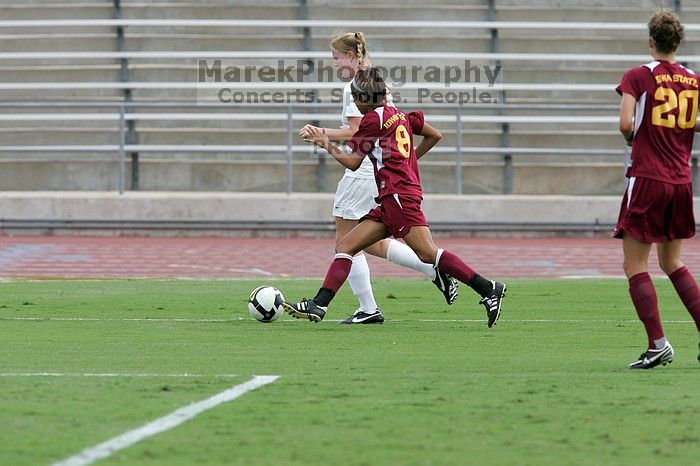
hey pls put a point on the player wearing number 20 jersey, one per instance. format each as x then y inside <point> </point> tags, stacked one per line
<point>666,110</point>
<point>666,95</point>
<point>658,113</point>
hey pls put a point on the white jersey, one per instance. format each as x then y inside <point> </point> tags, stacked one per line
<point>366,171</point>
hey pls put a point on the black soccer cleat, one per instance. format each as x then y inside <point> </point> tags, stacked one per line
<point>653,357</point>
<point>306,309</point>
<point>492,302</point>
<point>447,285</point>
<point>362,317</point>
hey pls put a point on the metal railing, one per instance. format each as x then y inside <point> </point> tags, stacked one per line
<point>124,117</point>
<point>333,24</point>
<point>122,112</point>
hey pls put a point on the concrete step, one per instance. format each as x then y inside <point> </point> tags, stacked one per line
<point>35,9</point>
<point>216,175</point>
<point>261,9</point>
<point>22,133</point>
<point>94,73</point>
<point>624,12</point>
<point>230,208</point>
<point>59,42</point>
<point>417,10</point>
<point>239,39</point>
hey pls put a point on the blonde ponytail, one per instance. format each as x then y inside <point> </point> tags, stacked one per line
<point>361,48</point>
<point>352,42</point>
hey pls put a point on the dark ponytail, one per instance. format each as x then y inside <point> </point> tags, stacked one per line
<point>369,86</point>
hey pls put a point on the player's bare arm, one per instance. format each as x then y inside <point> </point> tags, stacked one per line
<point>338,135</point>
<point>320,137</point>
<point>627,106</point>
<point>431,136</point>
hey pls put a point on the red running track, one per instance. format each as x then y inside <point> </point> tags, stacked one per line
<point>102,257</point>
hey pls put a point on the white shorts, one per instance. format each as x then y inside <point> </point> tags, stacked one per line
<point>354,198</point>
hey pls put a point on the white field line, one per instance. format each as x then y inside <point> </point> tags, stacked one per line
<point>105,278</point>
<point>287,321</point>
<point>547,321</point>
<point>124,319</point>
<point>121,278</point>
<point>107,374</point>
<point>177,417</point>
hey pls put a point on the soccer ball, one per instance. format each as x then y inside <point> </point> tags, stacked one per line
<point>265,303</point>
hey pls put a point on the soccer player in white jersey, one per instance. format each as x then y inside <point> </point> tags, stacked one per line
<point>356,192</point>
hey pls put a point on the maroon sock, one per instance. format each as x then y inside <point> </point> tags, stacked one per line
<point>338,272</point>
<point>687,289</point>
<point>455,267</point>
<point>644,299</point>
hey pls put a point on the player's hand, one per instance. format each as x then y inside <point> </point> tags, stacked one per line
<point>318,136</point>
<point>304,133</point>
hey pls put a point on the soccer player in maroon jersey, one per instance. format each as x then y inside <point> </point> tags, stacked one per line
<point>385,136</point>
<point>355,194</point>
<point>658,118</point>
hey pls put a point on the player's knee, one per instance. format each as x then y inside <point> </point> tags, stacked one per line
<point>632,268</point>
<point>669,265</point>
<point>375,250</point>
<point>342,247</point>
<point>427,257</point>
<point>339,247</point>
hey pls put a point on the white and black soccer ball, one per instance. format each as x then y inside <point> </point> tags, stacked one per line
<point>265,303</point>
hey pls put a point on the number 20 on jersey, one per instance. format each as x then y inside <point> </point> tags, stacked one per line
<point>685,101</point>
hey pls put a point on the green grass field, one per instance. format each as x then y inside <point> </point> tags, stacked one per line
<point>432,386</point>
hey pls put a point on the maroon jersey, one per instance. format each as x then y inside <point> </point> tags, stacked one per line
<point>386,136</point>
<point>664,121</point>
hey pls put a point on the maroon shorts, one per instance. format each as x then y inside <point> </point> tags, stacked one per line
<point>653,211</point>
<point>398,214</point>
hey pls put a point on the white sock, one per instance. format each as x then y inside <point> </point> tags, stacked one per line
<point>360,283</point>
<point>401,254</point>
<point>660,343</point>
<point>438,256</point>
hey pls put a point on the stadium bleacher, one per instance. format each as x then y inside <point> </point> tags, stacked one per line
<point>63,81</point>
